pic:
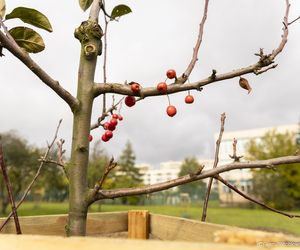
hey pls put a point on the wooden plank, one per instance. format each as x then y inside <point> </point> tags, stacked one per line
<point>172,228</point>
<point>104,223</point>
<point>175,228</point>
<point>97,223</point>
<point>43,225</point>
<point>32,242</point>
<point>138,224</point>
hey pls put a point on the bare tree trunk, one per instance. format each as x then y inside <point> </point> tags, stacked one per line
<point>89,34</point>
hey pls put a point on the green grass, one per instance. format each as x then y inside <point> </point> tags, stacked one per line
<point>241,217</point>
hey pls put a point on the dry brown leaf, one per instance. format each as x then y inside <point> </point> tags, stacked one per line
<point>245,84</point>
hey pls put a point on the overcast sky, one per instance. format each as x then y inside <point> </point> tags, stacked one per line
<point>159,35</point>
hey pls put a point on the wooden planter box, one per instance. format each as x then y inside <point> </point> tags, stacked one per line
<point>165,232</point>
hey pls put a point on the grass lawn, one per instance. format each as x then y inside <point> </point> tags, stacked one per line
<point>241,217</point>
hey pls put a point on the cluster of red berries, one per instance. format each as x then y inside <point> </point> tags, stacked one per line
<point>161,87</point>
<point>109,127</point>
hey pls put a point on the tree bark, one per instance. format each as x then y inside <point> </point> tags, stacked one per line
<point>78,188</point>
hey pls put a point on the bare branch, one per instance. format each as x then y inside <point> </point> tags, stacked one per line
<point>192,64</point>
<point>95,10</point>
<point>234,156</point>
<point>226,183</point>
<point>123,89</point>
<point>285,32</point>
<point>258,68</point>
<point>9,191</point>
<point>34,178</point>
<point>38,71</point>
<point>116,193</point>
<point>216,161</point>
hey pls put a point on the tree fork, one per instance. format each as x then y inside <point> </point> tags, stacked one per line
<point>89,34</point>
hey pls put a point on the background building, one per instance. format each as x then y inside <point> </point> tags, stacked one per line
<point>167,171</point>
<point>242,178</point>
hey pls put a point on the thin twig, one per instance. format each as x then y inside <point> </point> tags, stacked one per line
<point>261,71</point>
<point>60,155</point>
<point>12,40</point>
<point>35,177</point>
<point>111,165</point>
<point>108,111</point>
<point>285,32</point>
<point>60,151</point>
<point>192,64</point>
<point>234,156</point>
<point>104,56</point>
<point>51,162</point>
<point>294,20</point>
<point>216,161</point>
<point>226,183</point>
<point>10,192</point>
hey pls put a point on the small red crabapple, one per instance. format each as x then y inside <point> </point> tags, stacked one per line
<point>171,110</point>
<point>114,122</point>
<point>108,134</point>
<point>111,127</point>
<point>105,125</point>
<point>130,101</point>
<point>115,116</point>
<point>171,74</point>
<point>162,87</point>
<point>135,87</point>
<point>120,118</point>
<point>104,138</point>
<point>189,99</point>
<point>90,138</point>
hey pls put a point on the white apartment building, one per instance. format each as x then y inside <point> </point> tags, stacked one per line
<point>167,171</point>
<point>242,178</point>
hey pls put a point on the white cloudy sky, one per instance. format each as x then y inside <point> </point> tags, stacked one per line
<point>159,35</point>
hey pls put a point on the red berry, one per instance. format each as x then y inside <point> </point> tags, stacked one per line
<point>189,99</point>
<point>104,138</point>
<point>130,100</point>
<point>135,87</point>
<point>171,111</point>
<point>120,118</point>
<point>115,116</point>
<point>90,138</point>
<point>111,127</point>
<point>114,122</point>
<point>162,87</point>
<point>105,125</point>
<point>171,74</point>
<point>108,134</point>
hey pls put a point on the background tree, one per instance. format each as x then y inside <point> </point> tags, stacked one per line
<point>281,187</point>
<point>195,189</point>
<point>97,163</point>
<point>20,160</point>
<point>127,174</point>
